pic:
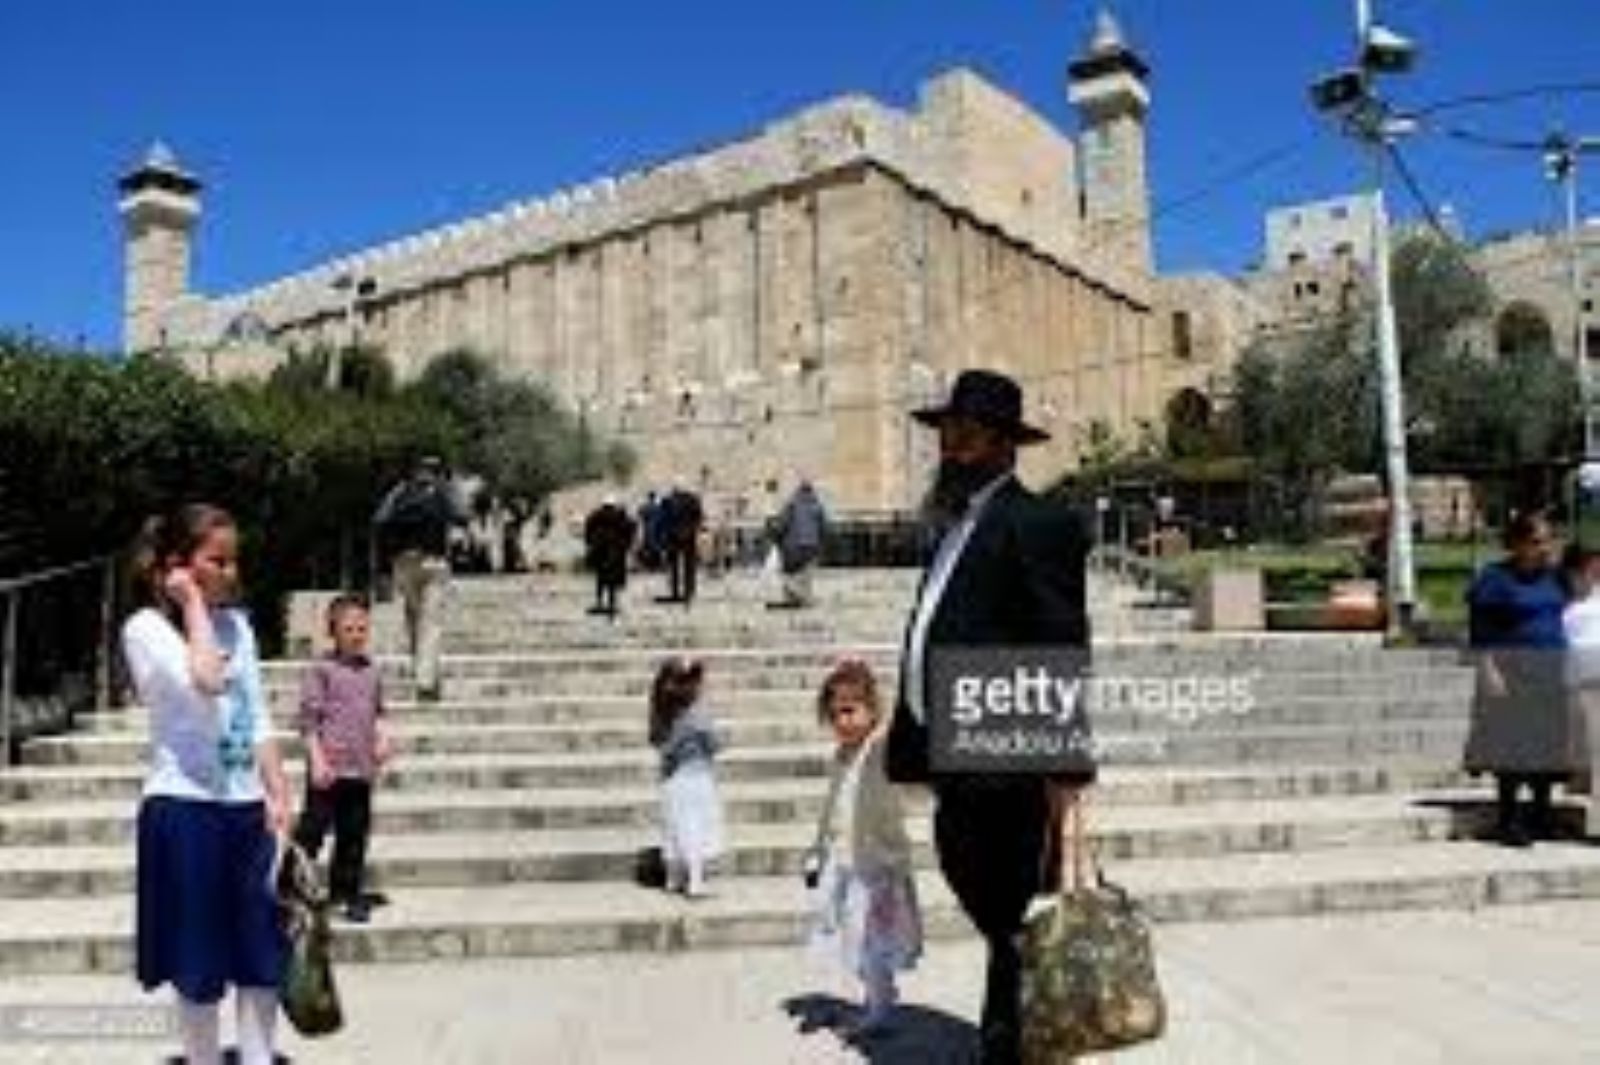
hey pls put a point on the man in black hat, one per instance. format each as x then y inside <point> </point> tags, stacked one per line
<point>1008,572</point>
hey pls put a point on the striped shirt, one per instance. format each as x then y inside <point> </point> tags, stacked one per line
<point>341,700</point>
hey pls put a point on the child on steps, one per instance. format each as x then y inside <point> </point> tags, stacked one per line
<point>691,812</point>
<point>859,869</point>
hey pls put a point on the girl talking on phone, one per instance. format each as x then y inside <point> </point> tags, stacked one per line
<point>215,798</point>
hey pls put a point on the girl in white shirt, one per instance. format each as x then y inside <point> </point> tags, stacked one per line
<point>215,796</point>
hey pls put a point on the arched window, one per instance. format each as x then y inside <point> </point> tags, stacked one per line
<point>1523,329</point>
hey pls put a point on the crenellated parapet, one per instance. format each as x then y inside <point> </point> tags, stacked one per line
<point>968,144</point>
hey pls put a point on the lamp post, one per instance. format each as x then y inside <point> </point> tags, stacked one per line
<point>1350,93</point>
<point>1561,154</point>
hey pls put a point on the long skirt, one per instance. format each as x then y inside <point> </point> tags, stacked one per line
<point>691,815</point>
<point>207,916</point>
<point>1524,731</point>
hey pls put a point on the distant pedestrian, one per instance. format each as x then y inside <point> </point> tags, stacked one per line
<point>608,536</point>
<point>860,866</point>
<point>682,517</point>
<point>651,550</point>
<point>414,521</point>
<point>691,811</point>
<point>1519,721</point>
<point>799,533</point>
<point>215,796</point>
<point>347,742</point>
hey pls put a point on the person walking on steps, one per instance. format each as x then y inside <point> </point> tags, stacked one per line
<point>414,522</point>
<point>682,517</point>
<point>798,533</point>
<point>608,536</point>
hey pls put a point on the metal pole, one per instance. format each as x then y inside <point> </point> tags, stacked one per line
<point>8,691</point>
<point>1402,576</point>
<point>108,599</point>
<point>1569,181</point>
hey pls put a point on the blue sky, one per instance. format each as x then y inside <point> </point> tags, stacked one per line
<point>321,126</point>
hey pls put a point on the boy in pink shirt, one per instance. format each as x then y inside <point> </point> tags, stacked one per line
<point>347,743</point>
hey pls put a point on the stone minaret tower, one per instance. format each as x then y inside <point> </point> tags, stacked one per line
<point>1108,86</point>
<point>160,203</point>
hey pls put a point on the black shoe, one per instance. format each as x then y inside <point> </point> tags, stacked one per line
<point>357,912</point>
<point>1513,835</point>
<point>1000,1045</point>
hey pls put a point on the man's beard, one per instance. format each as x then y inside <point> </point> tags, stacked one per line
<point>954,486</point>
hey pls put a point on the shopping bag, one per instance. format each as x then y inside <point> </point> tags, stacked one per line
<point>1089,979</point>
<point>309,996</point>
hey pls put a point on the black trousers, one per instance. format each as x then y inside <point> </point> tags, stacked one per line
<point>991,835</point>
<point>683,566</point>
<point>605,594</point>
<point>346,807</point>
<point>1540,785</point>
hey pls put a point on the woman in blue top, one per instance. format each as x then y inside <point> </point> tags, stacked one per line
<point>1519,721</point>
<point>215,794</point>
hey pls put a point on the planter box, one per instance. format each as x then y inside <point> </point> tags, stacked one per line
<point>1229,600</point>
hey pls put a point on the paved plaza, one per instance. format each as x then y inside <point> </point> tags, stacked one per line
<point>1509,985</point>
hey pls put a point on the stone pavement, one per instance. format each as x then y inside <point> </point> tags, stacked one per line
<point>1504,986</point>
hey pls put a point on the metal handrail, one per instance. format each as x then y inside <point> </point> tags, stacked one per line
<point>45,576</point>
<point>10,591</point>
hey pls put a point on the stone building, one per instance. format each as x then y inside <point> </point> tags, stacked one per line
<point>1530,275</point>
<point>773,304</point>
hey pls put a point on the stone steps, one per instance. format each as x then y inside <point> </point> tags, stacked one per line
<point>1386,743</point>
<point>608,854</point>
<point>109,821</point>
<point>511,822</point>
<point>619,719</point>
<point>61,935</point>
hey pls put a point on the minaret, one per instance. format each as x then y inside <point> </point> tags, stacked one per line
<point>160,203</point>
<point>1108,86</point>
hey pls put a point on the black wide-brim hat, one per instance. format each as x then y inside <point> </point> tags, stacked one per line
<point>990,398</point>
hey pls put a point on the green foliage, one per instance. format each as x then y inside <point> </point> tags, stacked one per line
<point>514,433</point>
<point>1309,412</point>
<point>94,446</point>
<point>363,371</point>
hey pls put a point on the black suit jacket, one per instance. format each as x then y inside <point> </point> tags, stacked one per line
<point>1020,581</point>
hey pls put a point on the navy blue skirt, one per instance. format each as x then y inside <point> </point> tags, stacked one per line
<point>207,918</point>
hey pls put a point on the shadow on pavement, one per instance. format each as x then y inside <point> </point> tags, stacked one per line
<point>915,1035</point>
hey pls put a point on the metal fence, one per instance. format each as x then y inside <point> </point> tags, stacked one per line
<point>56,631</point>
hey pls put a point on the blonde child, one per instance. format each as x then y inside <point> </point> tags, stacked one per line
<point>691,812</point>
<point>215,796</point>
<point>859,868</point>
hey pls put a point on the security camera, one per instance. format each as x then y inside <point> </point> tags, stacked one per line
<point>1387,52</point>
<point>1339,90</point>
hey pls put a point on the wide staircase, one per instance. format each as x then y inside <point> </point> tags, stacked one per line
<point>512,821</point>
